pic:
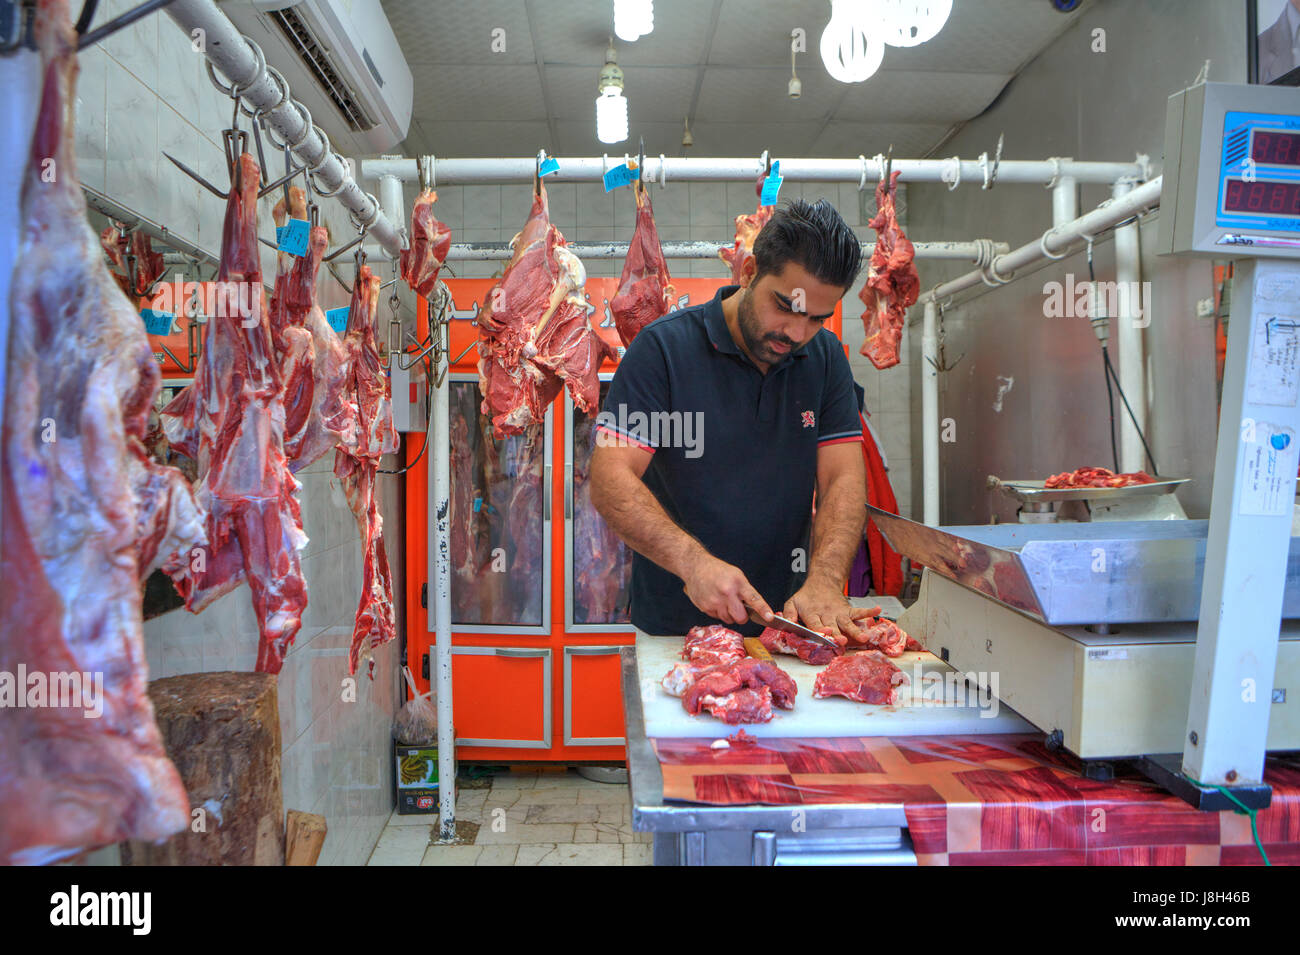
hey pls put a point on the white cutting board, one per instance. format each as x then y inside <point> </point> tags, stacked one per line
<point>834,716</point>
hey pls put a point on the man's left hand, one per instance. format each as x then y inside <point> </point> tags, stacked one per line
<point>820,606</point>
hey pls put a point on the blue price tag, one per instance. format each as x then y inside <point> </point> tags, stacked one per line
<point>772,185</point>
<point>338,318</point>
<point>620,175</point>
<point>292,237</point>
<point>157,323</point>
<point>549,165</point>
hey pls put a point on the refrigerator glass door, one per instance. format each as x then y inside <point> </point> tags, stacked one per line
<point>598,569</point>
<point>500,554</point>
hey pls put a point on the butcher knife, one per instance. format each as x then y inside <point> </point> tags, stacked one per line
<point>779,622</point>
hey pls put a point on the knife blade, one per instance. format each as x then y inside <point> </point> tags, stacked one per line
<point>779,622</point>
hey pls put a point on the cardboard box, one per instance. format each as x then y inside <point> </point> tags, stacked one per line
<point>415,779</point>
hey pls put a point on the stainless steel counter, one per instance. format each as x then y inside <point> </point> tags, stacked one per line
<point>809,834</point>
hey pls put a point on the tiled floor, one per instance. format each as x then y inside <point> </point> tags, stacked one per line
<point>526,818</point>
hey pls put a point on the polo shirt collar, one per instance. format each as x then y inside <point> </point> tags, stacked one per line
<point>715,323</point>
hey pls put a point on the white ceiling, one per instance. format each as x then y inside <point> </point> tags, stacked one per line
<point>725,63</point>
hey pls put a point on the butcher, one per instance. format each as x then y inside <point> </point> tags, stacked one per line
<point>722,421</point>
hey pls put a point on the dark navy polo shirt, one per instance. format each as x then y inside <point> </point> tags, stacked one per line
<point>735,451</point>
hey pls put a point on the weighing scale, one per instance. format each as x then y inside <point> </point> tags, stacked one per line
<point>1137,502</point>
<point>1164,639</point>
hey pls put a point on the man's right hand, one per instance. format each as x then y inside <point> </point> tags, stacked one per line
<point>722,591</point>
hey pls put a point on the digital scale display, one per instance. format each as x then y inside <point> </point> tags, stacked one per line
<point>1259,172</point>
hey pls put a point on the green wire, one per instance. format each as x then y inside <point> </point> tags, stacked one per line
<point>1241,810</point>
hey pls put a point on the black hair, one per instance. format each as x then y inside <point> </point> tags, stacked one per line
<point>814,235</point>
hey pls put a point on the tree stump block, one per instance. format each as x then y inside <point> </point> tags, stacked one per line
<point>222,730</point>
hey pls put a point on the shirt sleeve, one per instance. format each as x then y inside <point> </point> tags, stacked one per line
<point>839,420</point>
<point>637,394</point>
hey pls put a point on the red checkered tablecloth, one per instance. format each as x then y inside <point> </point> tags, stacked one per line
<point>989,800</point>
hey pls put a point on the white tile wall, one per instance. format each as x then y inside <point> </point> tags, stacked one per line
<point>141,92</point>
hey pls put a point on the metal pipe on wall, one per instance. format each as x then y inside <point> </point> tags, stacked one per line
<point>999,272</point>
<point>703,249</point>
<point>439,536</point>
<point>1126,330</point>
<point>226,49</point>
<point>930,416</point>
<point>866,172</point>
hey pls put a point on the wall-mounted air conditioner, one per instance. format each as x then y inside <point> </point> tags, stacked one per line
<point>341,60</point>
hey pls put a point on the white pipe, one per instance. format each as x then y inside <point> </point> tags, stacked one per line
<point>867,172</point>
<point>1056,240</point>
<point>702,249</point>
<point>392,201</point>
<point>1126,330</point>
<point>1065,200</point>
<point>439,536</point>
<point>226,49</point>
<point>930,415</point>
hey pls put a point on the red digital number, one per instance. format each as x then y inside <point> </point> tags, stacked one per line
<point>1277,198</point>
<point>1234,194</point>
<point>1255,197</point>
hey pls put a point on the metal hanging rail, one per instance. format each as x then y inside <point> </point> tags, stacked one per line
<point>267,96</point>
<point>981,250</point>
<point>863,171</point>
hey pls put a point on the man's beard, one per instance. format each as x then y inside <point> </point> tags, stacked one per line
<point>751,332</point>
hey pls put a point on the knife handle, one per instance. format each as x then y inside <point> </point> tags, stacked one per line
<point>754,647</point>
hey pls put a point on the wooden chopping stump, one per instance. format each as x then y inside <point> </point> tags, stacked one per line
<point>222,730</point>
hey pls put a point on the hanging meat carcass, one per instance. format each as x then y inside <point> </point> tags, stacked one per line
<point>534,334</point>
<point>138,266</point>
<point>318,414</point>
<point>231,421</point>
<point>645,290</point>
<point>892,284</point>
<point>356,462</point>
<point>86,515</point>
<point>430,243</point>
<point>748,227</point>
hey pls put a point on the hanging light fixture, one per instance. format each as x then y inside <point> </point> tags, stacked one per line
<point>912,22</point>
<point>633,19</point>
<point>851,46</point>
<point>611,107</point>
<point>794,88</point>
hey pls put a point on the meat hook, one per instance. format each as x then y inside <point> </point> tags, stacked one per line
<point>112,26</point>
<point>196,177</point>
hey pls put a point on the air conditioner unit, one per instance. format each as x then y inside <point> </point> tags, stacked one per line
<point>341,60</point>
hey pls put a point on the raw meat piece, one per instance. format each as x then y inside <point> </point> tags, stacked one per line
<point>740,706</point>
<point>355,464</point>
<point>680,677</point>
<point>866,676</point>
<point>430,243</point>
<point>86,516</point>
<point>534,334</point>
<point>715,685</point>
<point>892,283</point>
<point>887,637</point>
<point>913,644</point>
<point>645,290</point>
<point>741,737</point>
<point>121,248</point>
<point>809,651</point>
<point>713,644</point>
<point>747,229</point>
<point>313,362</point>
<point>231,421</point>
<point>1097,477</point>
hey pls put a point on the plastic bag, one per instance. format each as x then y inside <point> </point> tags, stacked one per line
<point>416,723</point>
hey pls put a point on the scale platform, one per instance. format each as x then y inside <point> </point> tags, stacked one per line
<point>1136,502</point>
<point>1089,629</point>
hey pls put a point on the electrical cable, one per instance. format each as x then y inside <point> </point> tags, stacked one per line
<point>1241,810</point>
<point>427,363</point>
